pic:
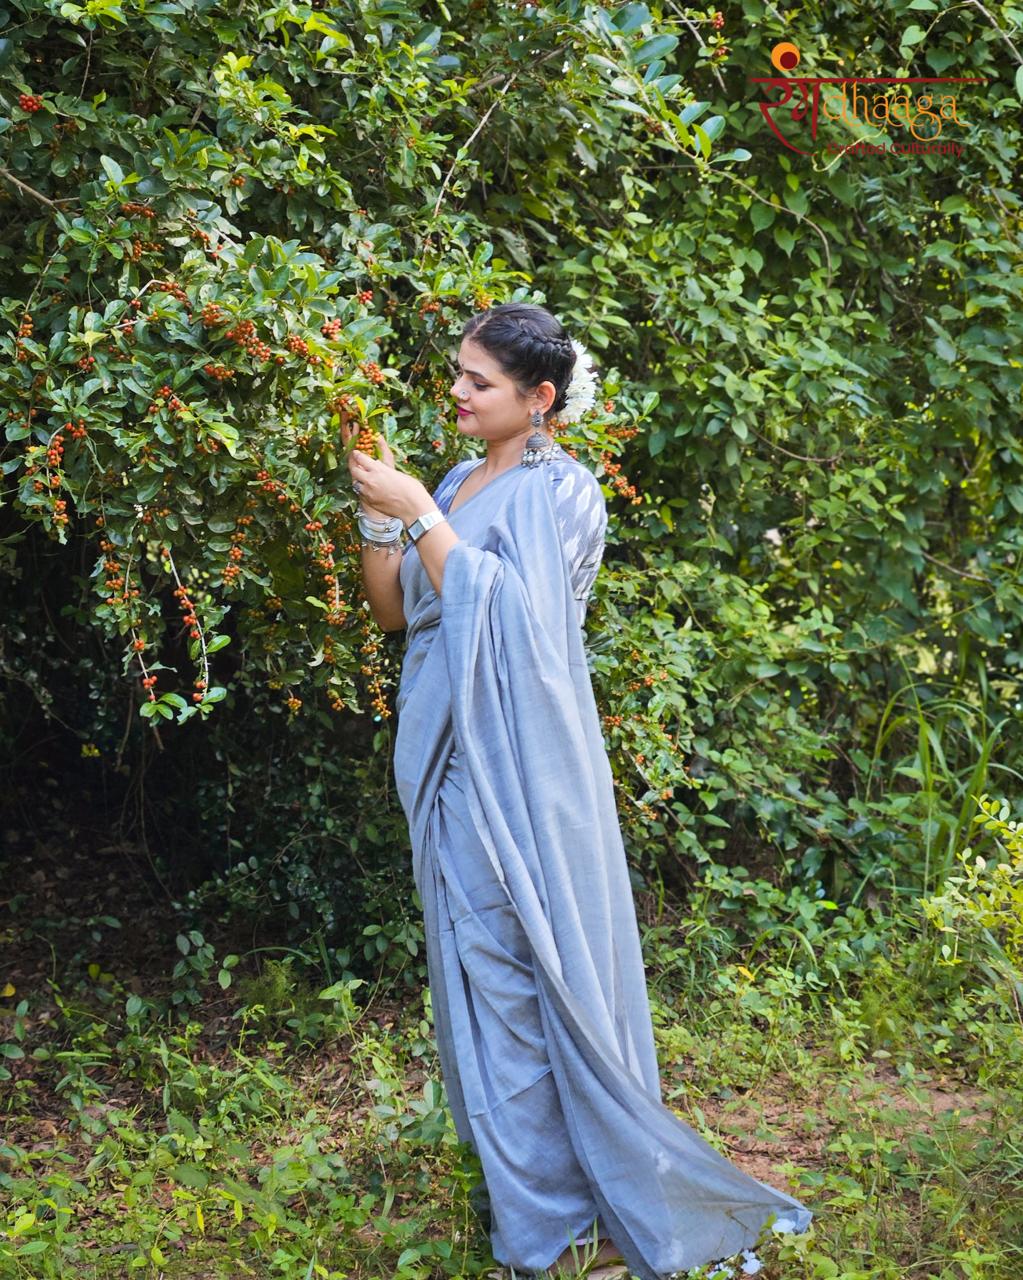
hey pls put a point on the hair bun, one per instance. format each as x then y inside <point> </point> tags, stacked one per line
<point>529,343</point>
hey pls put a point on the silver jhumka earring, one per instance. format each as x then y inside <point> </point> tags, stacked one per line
<point>538,447</point>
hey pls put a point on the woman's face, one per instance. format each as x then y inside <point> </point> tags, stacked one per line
<point>488,403</point>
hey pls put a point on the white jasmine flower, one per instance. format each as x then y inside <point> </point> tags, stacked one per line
<point>582,390</point>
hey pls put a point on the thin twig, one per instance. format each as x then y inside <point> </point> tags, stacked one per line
<point>798,456</point>
<point>703,45</point>
<point>1016,53</point>
<point>38,195</point>
<point>88,63</point>
<point>960,573</point>
<point>469,141</point>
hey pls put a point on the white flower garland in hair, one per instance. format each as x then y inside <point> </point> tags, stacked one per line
<point>582,390</point>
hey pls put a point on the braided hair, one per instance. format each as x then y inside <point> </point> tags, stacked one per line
<point>529,344</point>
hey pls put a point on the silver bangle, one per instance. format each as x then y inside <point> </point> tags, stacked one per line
<point>388,522</point>
<point>391,529</point>
<point>397,545</point>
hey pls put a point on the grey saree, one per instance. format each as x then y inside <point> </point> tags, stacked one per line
<point>536,975</point>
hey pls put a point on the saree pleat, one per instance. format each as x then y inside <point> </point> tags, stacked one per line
<point>538,988</point>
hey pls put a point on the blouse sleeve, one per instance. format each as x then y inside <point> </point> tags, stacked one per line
<point>582,517</point>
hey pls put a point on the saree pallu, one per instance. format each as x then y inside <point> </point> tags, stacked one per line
<point>539,994</point>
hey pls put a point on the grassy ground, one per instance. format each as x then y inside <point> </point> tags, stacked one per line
<point>159,1123</point>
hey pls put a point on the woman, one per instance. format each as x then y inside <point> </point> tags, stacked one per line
<point>539,997</point>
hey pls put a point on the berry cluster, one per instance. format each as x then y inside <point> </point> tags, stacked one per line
<point>428,306</point>
<point>336,612</point>
<point>718,20</point>
<point>86,362</point>
<point>331,328</point>
<point>483,300</point>
<point>298,346</point>
<point>653,125</point>
<point>55,450</point>
<point>212,314</point>
<point>634,685</point>
<point>618,481</point>
<point>76,431</point>
<point>232,570</point>
<point>720,52</point>
<point>614,721</point>
<point>24,331</point>
<point>171,287</point>
<point>622,433</point>
<point>244,333</point>
<point>188,608</point>
<point>220,372</point>
<point>237,181</point>
<point>372,371</point>
<point>114,575</point>
<point>274,487</point>
<point>135,210</point>
<point>139,247</point>
<point>364,296</point>
<point>170,401</point>
<point>30,102</point>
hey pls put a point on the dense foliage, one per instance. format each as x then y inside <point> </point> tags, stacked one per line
<point>227,223</point>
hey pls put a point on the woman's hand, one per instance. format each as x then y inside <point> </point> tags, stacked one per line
<point>383,489</point>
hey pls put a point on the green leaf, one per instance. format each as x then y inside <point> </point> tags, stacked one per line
<point>912,36</point>
<point>113,170</point>
<point>190,1175</point>
<point>762,215</point>
<point>655,47</point>
<point>631,17</point>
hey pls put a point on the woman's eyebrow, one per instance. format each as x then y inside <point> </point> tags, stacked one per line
<point>473,373</point>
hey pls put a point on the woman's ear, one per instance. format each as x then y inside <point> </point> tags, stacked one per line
<point>546,394</point>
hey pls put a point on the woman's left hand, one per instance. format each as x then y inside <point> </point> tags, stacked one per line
<point>384,488</point>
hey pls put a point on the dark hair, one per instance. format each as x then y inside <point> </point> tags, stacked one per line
<point>529,344</point>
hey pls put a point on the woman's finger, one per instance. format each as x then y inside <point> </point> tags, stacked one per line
<point>385,451</point>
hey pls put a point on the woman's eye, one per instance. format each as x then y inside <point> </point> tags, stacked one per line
<point>479,386</point>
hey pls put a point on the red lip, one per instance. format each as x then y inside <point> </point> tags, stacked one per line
<point>465,413</point>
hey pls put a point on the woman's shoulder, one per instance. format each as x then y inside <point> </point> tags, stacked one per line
<point>578,499</point>
<point>570,476</point>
